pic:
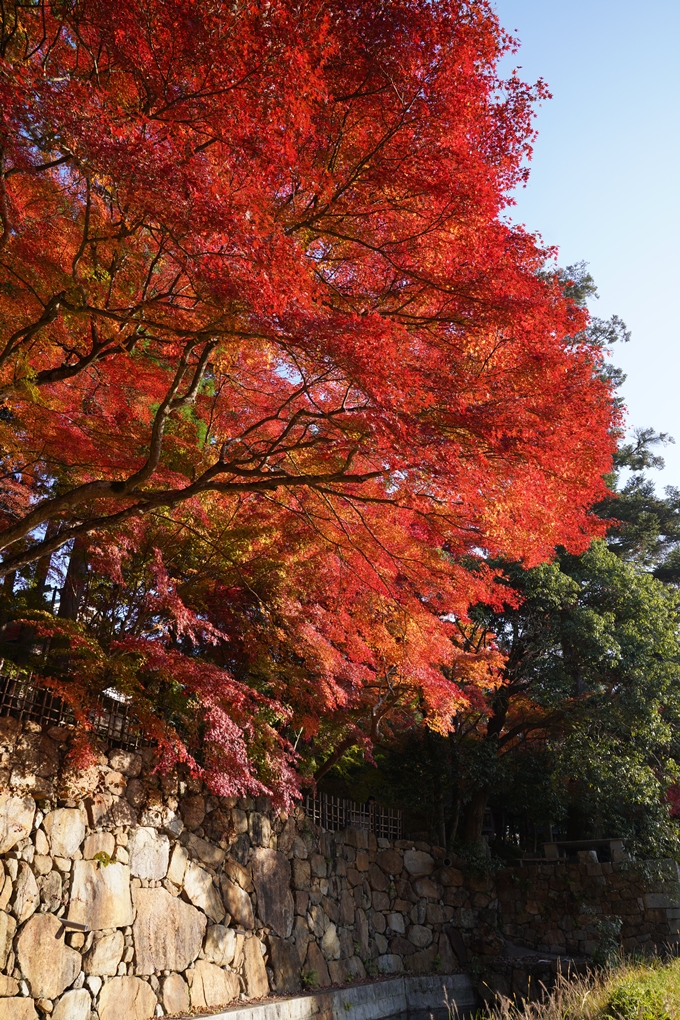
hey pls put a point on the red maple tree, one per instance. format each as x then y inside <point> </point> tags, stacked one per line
<point>254,274</point>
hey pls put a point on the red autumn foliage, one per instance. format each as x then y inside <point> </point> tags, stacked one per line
<point>256,288</point>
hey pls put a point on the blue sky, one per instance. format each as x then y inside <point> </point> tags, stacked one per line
<point>605,181</point>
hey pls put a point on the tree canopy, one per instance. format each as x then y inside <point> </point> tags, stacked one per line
<point>577,731</point>
<point>278,377</point>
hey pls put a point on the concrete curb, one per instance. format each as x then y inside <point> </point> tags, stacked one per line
<point>399,998</point>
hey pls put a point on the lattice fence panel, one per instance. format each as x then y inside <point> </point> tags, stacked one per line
<point>22,697</point>
<point>337,813</point>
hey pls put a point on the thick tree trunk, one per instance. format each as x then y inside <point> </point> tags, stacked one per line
<point>474,821</point>
<point>8,582</point>
<point>334,757</point>
<point>42,567</point>
<point>452,831</point>
<point>76,579</point>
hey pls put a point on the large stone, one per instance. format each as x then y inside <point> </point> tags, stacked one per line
<point>302,874</point>
<point>449,961</point>
<point>8,927</point>
<point>418,863</point>
<point>192,810</point>
<point>315,970</point>
<point>427,888</point>
<point>390,861</point>
<point>239,821</point>
<point>259,829</point>
<point>318,922</point>
<point>149,854</point>
<point>115,782</point>
<point>287,836</point>
<point>17,1009</point>
<point>420,936</point>
<point>168,933</point>
<point>65,830</point>
<point>73,1005</point>
<point>378,879</point>
<point>356,969</point>
<point>275,905</point>
<point>99,843</point>
<point>436,914</point>
<point>390,964</point>
<point>26,894</point>
<point>6,887</point>
<point>199,887</point>
<point>347,905</point>
<point>204,850</point>
<point>51,890</point>
<point>237,902</point>
<point>47,963</point>
<point>105,955</point>
<point>105,809</point>
<point>212,986</point>
<point>238,953</point>
<point>16,820</point>
<point>100,895</point>
<point>127,762</point>
<point>78,782</point>
<point>25,781</point>
<point>126,998</point>
<point>330,944</point>
<point>254,971</point>
<point>9,986</point>
<point>422,962</point>
<point>338,971</point>
<point>175,994</point>
<point>362,931</point>
<point>36,756</point>
<point>284,960</point>
<point>220,945</point>
<point>451,876</point>
<point>401,946</point>
<point>135,793</point>
<point>380,900</point>
<point>302,936</point>
<point>240,849</point>
<point>10,729</point>
<point>178,864</point>
<point>237,873</point>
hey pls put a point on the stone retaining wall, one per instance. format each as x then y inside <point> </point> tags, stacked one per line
<point>198,901</point>
<point>580,909</point>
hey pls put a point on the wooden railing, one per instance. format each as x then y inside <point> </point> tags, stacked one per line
<point>23,698</point>
<point>337,813</point>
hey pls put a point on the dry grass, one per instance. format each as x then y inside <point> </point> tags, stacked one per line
<point>631,990</point>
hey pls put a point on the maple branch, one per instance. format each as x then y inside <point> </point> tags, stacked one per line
<point>170,403</point>
<point>259,482</point>
<point>99,350</point>
<point>529,727</point>
<point>39,168</point>
<point>28,332</point>
<point>335,756</point>
<point>4,204</point>
<point>86,230</point>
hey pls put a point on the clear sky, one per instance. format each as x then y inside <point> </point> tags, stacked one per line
<point>605,180</point>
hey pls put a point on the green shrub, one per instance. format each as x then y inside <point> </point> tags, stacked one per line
<point>629,990</point>
<point>651,993</point>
